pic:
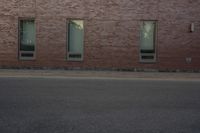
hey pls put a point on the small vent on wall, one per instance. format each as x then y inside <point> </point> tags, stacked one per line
<point>192,27</point>
<point>75,56</point>
<point>26,55</point>
<point>147,57</point>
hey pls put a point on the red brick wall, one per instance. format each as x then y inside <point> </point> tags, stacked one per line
<point>111,32</point>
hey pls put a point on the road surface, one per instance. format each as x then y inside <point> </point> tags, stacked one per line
<point>91,105</point>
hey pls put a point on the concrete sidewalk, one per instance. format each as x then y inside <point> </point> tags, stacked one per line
<point>98,74</point>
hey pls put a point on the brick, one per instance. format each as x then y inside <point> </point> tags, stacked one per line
<point>112,33</point>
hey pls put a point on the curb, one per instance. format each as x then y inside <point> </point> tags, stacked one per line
<point>99,74</point>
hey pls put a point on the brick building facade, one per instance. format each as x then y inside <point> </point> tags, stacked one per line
<point>112,33</point>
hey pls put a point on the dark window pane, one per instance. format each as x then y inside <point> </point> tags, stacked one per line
<point>27,35</point>
<point>147,51</point>
<point>148,35</point>
<point>27,48</point>
<point>76,33</point>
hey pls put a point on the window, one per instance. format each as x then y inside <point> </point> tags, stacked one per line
<point>147,41</point>
<point>75,40</point>
<point>26,39</point>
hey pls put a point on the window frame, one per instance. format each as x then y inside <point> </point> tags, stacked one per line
<point>20,19</point>
<point>153,54</point>
<point>67,41</point>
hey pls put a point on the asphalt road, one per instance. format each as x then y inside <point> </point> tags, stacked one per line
<point>64,105</point>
